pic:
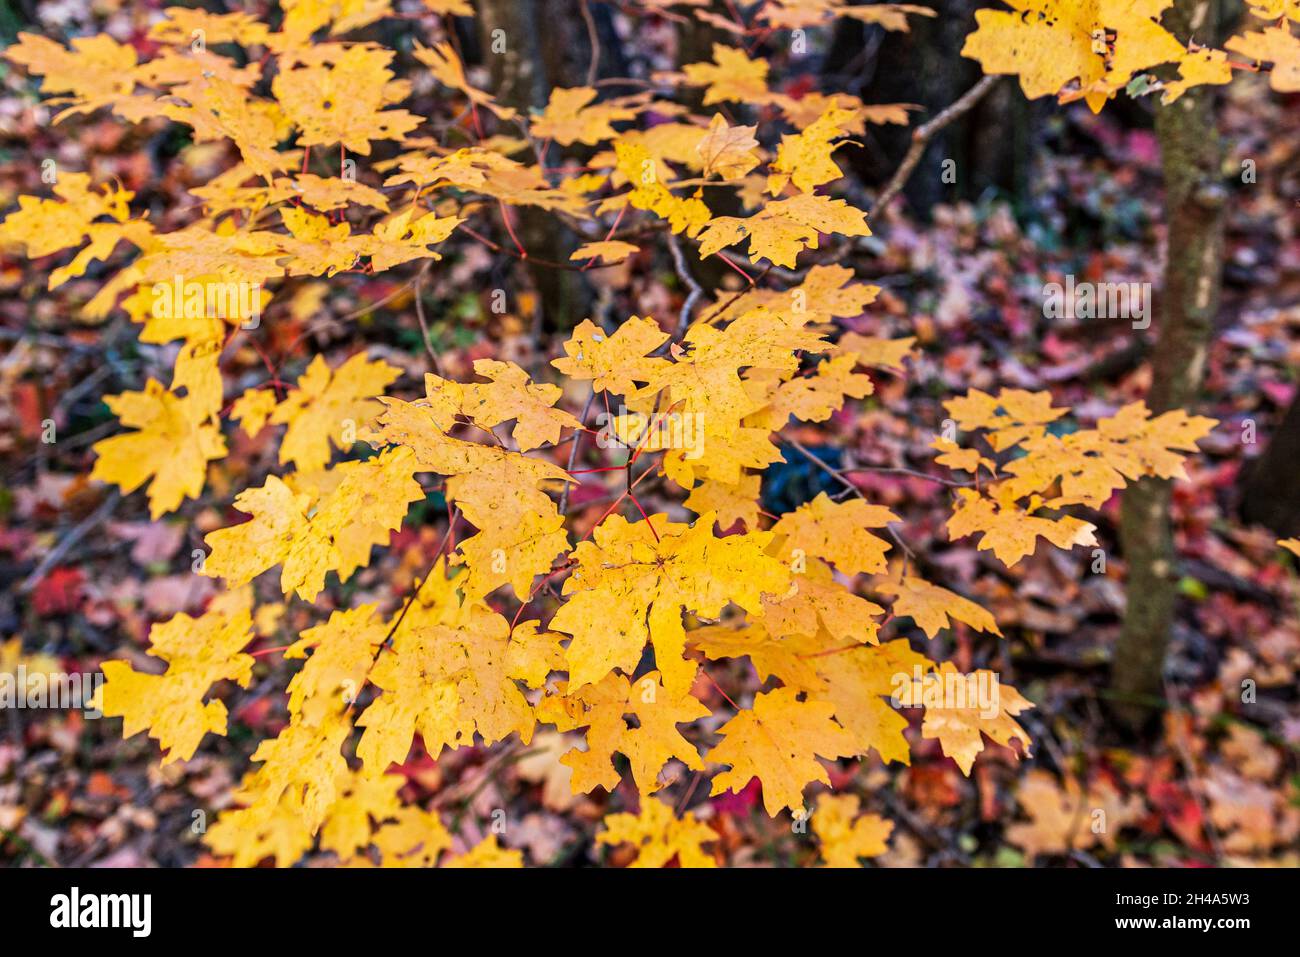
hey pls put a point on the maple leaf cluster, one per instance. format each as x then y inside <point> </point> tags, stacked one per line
<point>1092,49</point>
<point>617,621</point>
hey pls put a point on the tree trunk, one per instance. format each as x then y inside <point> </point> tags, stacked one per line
<point>1270,494</point>
<point>988,146</point>
<point>1194,212</point>
<point>532,63</point>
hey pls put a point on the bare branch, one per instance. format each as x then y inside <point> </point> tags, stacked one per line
<point>922,135</point>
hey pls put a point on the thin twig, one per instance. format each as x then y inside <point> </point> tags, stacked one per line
<point>424,326</point>
<point>594,37</point>
<point>573,453</point>
<point>65,544</point>
<point>912,473</point>
<point>684,274</point>
<point>922,135</point>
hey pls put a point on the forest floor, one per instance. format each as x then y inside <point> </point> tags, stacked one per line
<point>85,573</point>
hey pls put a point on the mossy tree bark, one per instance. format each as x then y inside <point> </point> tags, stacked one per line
<point>1194,211</point>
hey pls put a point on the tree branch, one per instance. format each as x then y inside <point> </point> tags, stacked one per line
<point>923,134</point>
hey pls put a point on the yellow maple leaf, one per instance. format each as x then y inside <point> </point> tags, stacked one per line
<point>817,601</point>
<point>303,765</point>
<point>1278,45</point>
<point>326,193</point>
<point>338,95</point>
<point>1009,530</point>
<point>778,741</point>
<point>1100,45</point>
<point>487,853</point>
<point>931,606</point>
<point>731,502</point>
<point>875,351</point>
<point>511,394</point>
<point>1199,68</point>
<point>1092,464</point>
<point>369,501</point>
<point>179,23</point>
<point>965,460</point>
<point>825,293</point>
<point>705,380</point>
<point>330,408</point>
<point>614,362</point>
<point>783,229</point>
<point>649,192</point>
<point>633,580</point>
<point>248,835</point>
<point>607,251</point>
<point>446,66</point>
<point>97,70</point>
<point>1012,416</point>
<point>364,800</point>
<point>815,397</point>
<point>837,532</point>
<point>844,835</point>
<point>176,435</point>
<point>694,454</point>
<point>571,117</point>
<point>253,409</point>
<point>648,744</point>
<point>770,656</point>
<point>342,651</point>
<point>732,76</point>
<point>199,652</point>
<point>1275,9</point>
<point>493,487</point>
<point>512,553</point>
<point>959,707</point>
<point>414,839</point>
<point>660,836</point>
<point>46,226</point>
<point>726,150</point>
<point>448,682</point>
<point>805,158</point>
<point>860,685</point>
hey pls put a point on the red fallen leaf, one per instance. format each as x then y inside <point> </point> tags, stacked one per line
<point>1180,812</point>
<point>1057,349</point>
<point>28,403</point>
<point>1144,148</point>
<point>739,803</point>
<point>403,539</point>
<point>254,712</point>
<point>934,784</point>
<point>1280,392</point>
<point>208,861</point>
<point>101,785</point>
<point>800,87</point>
<point>421,771</point>
<point>58,593</point>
